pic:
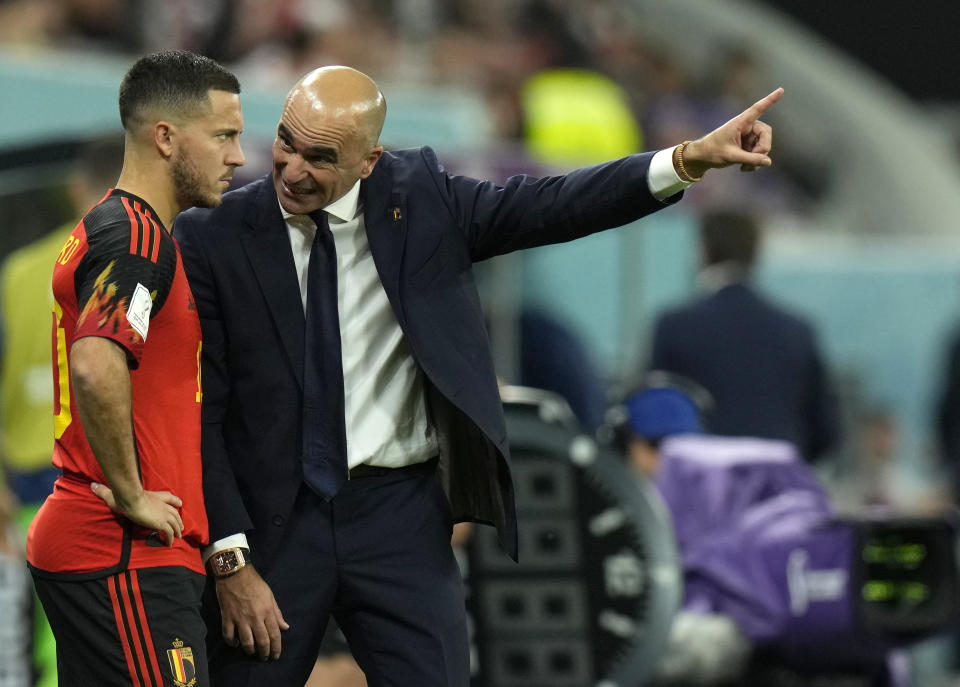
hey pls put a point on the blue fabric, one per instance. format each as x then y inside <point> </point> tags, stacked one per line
<point>657,413</point>
<point>324,433</point>
<point>553,357</point>
<point>761,364</point>
<point>33,486</point>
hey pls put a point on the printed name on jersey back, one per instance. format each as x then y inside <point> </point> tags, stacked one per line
<point>69,249</point>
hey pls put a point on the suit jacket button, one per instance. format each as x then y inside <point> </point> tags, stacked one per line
<point>278,520</point>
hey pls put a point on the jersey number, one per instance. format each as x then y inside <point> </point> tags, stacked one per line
<point>61,391</point>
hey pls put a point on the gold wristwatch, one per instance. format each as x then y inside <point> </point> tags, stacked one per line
<point>229,561</point>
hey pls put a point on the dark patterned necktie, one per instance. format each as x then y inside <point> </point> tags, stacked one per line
<point>324,433</point>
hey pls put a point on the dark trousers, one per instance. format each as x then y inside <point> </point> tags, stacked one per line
<point>378,558</point>
<point>136,627</point>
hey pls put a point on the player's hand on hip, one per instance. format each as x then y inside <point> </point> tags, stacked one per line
<point>744,140</point>
<point>154,510</point>
<point>250,615</point>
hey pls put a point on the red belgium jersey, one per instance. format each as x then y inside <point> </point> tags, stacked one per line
<point>120,276</point>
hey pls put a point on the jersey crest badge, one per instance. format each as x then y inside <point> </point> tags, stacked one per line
<point>181,664</point>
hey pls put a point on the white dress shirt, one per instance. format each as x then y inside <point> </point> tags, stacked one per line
<point>385,409</point>
<point>384,406</point>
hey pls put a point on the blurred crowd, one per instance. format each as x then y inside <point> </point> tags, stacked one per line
<point>575,82</point>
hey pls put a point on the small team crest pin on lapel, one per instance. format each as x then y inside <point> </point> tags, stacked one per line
<point>181,664</point>
<point>395,213</point>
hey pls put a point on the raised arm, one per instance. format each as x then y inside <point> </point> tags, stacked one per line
<point>744,140</point>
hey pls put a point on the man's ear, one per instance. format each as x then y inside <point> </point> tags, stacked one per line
<point>370,161</point>
<point>163,135</point>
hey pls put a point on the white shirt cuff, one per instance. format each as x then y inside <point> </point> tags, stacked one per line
<point>233,541</point>
<point>662,179</point>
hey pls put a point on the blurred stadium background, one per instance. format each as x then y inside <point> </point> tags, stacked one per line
<point>859,210</point>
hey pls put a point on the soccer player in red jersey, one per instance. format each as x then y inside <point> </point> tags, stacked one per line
<point>115,551</point>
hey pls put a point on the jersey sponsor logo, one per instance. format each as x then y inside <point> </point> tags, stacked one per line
<point>181,664</point>
<point>138,314</point>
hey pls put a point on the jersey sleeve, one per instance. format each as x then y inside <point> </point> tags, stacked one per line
<point>120,286</point>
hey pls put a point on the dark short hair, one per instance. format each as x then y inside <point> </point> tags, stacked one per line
<point>175,80</point>
<point>729,236</point>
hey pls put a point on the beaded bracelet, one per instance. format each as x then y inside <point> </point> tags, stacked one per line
<point>678,157</point>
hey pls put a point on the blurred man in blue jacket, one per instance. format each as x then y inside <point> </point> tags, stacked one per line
<point>761,364</point>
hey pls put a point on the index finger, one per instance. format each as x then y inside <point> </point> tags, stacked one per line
<point>764,104</point>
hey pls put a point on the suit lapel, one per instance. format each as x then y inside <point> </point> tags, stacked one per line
<point>267,244</point>
<point>385,220</point>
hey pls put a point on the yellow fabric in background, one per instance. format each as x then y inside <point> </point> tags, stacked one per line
<point>26,375</point>
<point>576,117</point>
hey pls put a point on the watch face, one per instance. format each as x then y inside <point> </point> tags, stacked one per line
<point>226,562</point>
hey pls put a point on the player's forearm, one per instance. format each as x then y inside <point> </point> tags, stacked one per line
<point>101,386</point>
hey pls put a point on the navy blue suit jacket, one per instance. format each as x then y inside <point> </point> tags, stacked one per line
<point>425,228</point>
<point>761,364</point>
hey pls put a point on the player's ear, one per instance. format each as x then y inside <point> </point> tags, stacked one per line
<point>163,135</point>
